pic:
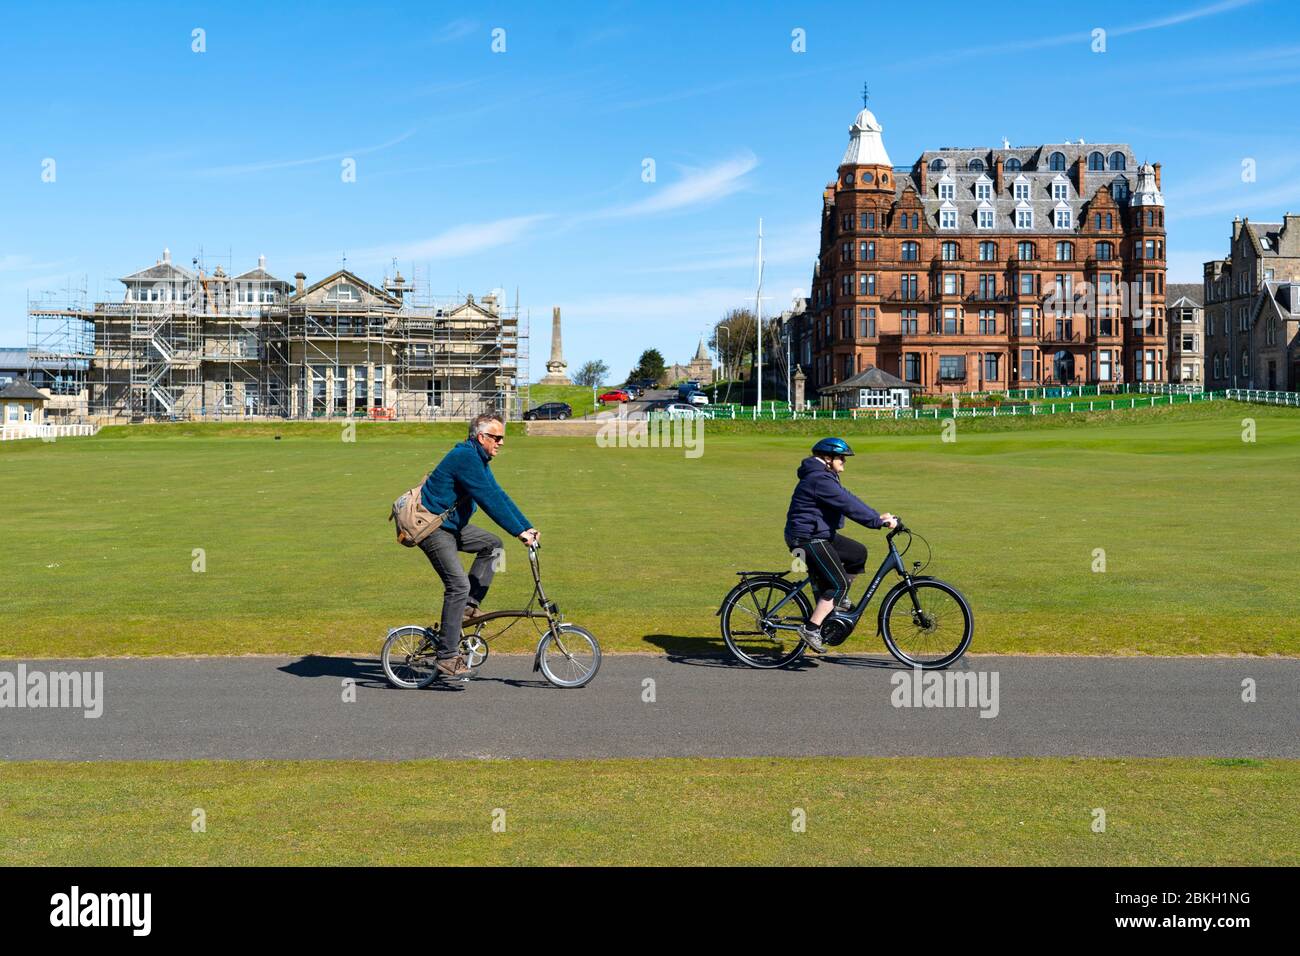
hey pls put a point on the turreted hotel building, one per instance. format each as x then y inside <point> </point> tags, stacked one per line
<point>988,268</point>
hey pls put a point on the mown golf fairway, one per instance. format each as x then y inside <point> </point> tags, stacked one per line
<point>104,536</point>
<point>909,811</point>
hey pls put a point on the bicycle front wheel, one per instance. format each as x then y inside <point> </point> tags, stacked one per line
<point>927,625</point>
<point>569,655</point>
<point>409,658</point>
<point>758,635</point>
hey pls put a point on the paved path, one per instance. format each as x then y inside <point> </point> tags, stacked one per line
<point>275,708</point>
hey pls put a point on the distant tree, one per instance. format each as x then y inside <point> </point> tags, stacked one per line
<point>650,365</point>
<point>591,374</point>
<point>733,339</point>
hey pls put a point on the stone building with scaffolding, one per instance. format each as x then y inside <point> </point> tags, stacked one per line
<point>191,344</point>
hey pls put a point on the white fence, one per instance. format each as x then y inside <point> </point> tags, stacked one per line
<point>1267,398</point>
<point>45,432</point>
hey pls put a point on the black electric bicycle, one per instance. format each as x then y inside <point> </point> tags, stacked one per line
<point>925,622</point>
<point>568,655</point>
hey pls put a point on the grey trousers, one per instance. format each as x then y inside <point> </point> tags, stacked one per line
<point>459,588</point>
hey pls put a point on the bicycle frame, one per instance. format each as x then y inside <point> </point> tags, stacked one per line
<point>549,610</point>
<point>893,561</point>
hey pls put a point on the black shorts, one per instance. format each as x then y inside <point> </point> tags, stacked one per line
<point>830,561</point>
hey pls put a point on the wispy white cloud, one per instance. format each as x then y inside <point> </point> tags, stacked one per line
<point>456,242</point>
<point>697,187</point>
<point>1065,39</point>
<point>243,168</point>
<point>454,30</point>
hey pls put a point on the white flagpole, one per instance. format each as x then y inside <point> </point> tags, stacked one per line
<point>758,307</point>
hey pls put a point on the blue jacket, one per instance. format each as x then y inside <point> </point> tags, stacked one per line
<point>820,504</point>
<point>464,473</point>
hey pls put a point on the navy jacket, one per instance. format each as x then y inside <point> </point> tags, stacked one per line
<point>820,504</point>
<point>464,473</point>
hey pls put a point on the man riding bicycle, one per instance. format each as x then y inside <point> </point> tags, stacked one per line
<point>461,481</point>
<point>818,507</point>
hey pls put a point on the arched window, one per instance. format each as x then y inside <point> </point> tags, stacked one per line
<point>1105,252</point>
<point>1064,251</point>
<point>848,179</point>
<point>976,165</point>
<point>1117,160</point>
<point>1012,165</point>
<point>1056,162</point>
<point>988,251</point>
<point>937,165</point>
<point>1096,160</point>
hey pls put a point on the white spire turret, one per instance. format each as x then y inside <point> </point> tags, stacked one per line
<point>865,144</point>
<point>1147,192</point>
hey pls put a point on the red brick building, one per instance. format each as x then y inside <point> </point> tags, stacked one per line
<point>988,268</point>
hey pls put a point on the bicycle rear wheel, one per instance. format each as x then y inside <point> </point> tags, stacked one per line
<point>932,632</point>
<point>569,656</point>
<point>409,658</point>
<point>756,635</point>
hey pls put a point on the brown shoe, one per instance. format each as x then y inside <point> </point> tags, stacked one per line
<point>452,666</point>
<point>472,614</point>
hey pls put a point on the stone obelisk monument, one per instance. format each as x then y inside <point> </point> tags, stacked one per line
<point>556,367</point>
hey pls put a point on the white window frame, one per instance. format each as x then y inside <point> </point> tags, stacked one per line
<point>1024,217</point>
<point>1058,212</point>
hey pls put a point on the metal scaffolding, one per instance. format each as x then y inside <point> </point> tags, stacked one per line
<point>219,346</point>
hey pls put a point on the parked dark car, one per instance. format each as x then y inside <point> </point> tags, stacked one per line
<point>557,411</point>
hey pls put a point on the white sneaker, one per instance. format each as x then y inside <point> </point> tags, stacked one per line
<point>812,637</point>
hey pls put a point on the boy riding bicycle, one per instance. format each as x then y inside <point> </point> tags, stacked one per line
<point>818,507</point>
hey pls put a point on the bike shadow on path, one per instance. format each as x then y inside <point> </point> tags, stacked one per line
<point>369,672</point>
<point>708,652</point>
<point>365,671</point>
<point>713,652</point>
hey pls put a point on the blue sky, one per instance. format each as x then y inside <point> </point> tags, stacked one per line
<point>477,169</point>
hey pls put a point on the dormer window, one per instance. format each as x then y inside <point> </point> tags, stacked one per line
<point>937,165</point>
<point>1060,189</point>
<point>1012,165</point>
<point>1020,189</point>
<point>976,165</point>
<point>1117,161</point>
<point>1062,217</point>
<point>947,218</point>
<point>1096,161</point>
<point>1119,188</point>
<point>947,190</point>
<point>984,217</point>
<point>1024,218</point>
<point>1056,162</point>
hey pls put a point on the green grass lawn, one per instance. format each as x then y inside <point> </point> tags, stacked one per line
<point>920,811</point>
<point>640,544</point>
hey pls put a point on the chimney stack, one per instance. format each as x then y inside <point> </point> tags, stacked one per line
<point>1157,169</point>
<point>1080,175</point>
<point>997,175</point>
<point>299,282</point>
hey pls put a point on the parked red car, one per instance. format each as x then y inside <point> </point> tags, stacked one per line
<point>615,395</point>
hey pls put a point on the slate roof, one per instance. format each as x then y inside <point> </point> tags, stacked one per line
<point>20,388</point>
<point>1265,236</point>
<point>870,377</point>
<point>1191,291</point>
<point>13,358</point>
<point>1034,169</point>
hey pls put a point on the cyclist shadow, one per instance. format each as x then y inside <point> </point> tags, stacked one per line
<point>708,652</point>
<point>365,671</point>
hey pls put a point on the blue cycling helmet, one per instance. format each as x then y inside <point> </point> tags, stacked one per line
<point>832,446</point>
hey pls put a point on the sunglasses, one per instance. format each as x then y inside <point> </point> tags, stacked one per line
<point>496,438</point>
